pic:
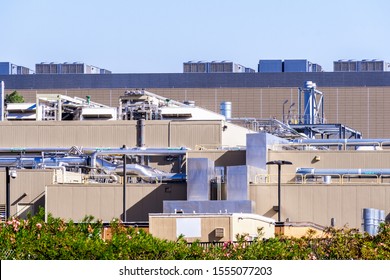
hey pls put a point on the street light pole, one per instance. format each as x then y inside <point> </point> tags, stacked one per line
<point>7,193</point>
<point>279,163</point>
<point>284,103</point>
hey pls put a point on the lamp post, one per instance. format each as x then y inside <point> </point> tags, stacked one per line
<point>279,163</point>
<point>289,112</point>
<point>8,175</point>
<point>124,186</point>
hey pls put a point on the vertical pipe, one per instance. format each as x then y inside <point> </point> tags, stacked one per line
<point>141,133</point>
<point>59,109</point>
<point>141,137</point>
<point>7,193</point>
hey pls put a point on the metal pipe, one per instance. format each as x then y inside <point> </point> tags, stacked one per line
<point>368,141</point>
<point>31,162</point>
<point>357,171</point>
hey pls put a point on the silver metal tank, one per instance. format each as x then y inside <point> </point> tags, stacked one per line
<point>226,109</point>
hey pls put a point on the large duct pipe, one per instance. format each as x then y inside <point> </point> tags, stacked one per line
<point>33,162</point>
<point>141,137</point>
<point>135,152</point>
<point>137,170</point>
<point>141,133</point>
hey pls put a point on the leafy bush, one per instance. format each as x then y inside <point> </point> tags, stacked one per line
<point>56,239</point>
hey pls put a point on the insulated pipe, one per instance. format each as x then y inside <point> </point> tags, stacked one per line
<point>339,141</point>
<point>134,152</point>
<point>30,150</point>
<point>48,161</point>
<point>358,171</point>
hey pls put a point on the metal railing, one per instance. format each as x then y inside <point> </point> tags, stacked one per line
<point>329,179</point>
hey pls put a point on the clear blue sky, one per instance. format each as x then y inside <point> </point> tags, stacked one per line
<point>152,36</point>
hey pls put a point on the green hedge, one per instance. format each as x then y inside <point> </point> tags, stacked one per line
<point>55,240</point>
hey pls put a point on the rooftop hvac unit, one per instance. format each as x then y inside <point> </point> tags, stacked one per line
<point>219,232</point>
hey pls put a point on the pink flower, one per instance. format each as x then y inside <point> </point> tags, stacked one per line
<point>39,225</point>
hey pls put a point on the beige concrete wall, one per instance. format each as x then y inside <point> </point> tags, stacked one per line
<point>109,134</point>
<point>244,224</point>
<point>221,157</point>
<point>234,135</point>
<point>165,227</point>
<point>319,203</point>
<point>348,159</point>
<point>105,201</point>
<point>28,189</point>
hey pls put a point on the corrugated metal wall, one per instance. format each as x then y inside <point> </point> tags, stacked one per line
<point>109,134</point>
<point>362,108</point>
<point>105,201</point>
<point>27,188</point>
<point>320,203</point>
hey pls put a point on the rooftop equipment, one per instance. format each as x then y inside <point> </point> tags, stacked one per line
<point>313,107</point>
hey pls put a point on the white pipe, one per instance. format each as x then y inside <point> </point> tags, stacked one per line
<point>340,141</point>
<point>357,171</point>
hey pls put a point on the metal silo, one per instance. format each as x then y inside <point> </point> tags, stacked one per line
<point>371,220</point>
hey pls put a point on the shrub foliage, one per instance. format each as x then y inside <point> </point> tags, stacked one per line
<point>56,239</point>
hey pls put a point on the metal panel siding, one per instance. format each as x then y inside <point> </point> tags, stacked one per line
<point>192,134</point>
<point>104,201</point>
<point>194,80</point>
<point>314,202</point>
<point>200,171</point>
<point>298,65</point>
<point>237,183</point>
<point>156,134</point>
<point>270,66</point>
<point>67,134</point>
<point>28,187</point>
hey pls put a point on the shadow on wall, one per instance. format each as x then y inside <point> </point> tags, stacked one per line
<point>270,213</point>
<point>30,207</point>
<point>153,202</point>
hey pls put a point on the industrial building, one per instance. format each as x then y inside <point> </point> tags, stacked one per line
<point>68,68</point>
<point>149,158</point>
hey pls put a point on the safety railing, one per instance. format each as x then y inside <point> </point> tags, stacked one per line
<point>330,179</point>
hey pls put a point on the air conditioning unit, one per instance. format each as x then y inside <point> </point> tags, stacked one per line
<point>219,232</point>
